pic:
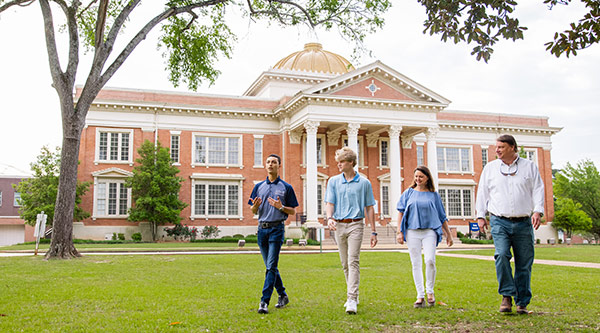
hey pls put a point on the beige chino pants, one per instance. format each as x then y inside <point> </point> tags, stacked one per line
<point>349,238</point>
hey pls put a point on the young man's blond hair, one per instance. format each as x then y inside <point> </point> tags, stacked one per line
<point>345,154</point>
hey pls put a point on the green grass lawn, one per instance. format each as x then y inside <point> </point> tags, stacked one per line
<point>174,246</point>
<point>181,293</point>
<point>581,253</point>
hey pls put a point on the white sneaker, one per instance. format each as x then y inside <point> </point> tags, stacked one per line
<point>351,306</point>
<point>357,302</point>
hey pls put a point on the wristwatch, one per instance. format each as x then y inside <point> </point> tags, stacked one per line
<point>281,209</point>
<point>374,233</point>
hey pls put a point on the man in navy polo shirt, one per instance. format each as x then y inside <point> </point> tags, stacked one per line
<point>273,200</point>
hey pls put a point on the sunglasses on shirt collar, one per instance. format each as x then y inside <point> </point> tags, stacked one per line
<point>510,171</point>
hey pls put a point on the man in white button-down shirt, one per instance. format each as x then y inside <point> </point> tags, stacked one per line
<point>511,191</point>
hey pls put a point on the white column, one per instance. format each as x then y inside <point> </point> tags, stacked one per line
<point>431,134</point>
<point>352,131</point>
<point>311,173</point>
<point>395,165</point>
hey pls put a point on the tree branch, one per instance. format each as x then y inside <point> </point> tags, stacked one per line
<point>22,3</point>
<point>100,22</point>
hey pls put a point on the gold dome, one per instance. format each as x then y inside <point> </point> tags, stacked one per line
<point>314,59</point>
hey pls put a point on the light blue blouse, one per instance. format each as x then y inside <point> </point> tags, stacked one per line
<point>422,210</point>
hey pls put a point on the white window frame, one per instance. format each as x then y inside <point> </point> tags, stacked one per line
<point>120,185</point>
<point>323,150</point>
<point>321,180</point>
<point>216,179</point>
<point>17,199</point>
<point>387,141</point>
<point>443,169</point>
<point>485,161</point>
<point>532,154</point>
<point>382,206</point>
<point>177,160</point>
<point>218,135</point>
<point>119,146</point>
<point>361,149</point>
<point>259,156</point>
<point>421,147</point>
<point>443,191</point>
<point>110,175</point>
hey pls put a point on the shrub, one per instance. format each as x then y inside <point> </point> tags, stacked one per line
<point>460,234</point>
<point>210,231</point>
<point>466,240</point>
<point>239,236</point>
<point>137,237</point>
<point>538,241</point>
<point>182,231</point>
<point>121,236</point>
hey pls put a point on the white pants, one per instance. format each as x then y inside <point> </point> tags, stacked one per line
<point>415,240</point>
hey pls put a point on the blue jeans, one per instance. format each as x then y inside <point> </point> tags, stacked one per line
<point>518,235</point>
<point>269,242</point>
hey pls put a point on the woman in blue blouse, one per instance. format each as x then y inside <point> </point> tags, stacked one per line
<point>422,219</point>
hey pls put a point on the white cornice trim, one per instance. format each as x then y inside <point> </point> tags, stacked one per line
<point>289,76</point>
<point>388,73</point>
<point>107,173</point>
<point>454,181</point>
<point>498,128</point>
<point>301,100</point>
<point>187,111</point>
<point>217,176</point>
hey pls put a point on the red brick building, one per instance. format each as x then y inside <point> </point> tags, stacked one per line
<point>309,104</point>
<point>13,229</point>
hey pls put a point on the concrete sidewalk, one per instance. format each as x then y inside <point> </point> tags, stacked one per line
<point>442,250</point>
<point>535,261</point>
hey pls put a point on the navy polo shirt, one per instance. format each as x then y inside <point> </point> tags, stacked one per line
<point>276,189</point>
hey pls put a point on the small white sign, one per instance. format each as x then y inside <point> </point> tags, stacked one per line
<point>40,224</point>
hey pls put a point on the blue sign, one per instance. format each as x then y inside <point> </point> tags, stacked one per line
<point>473,226</point>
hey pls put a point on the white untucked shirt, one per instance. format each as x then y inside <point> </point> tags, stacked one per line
<point>515,195</point>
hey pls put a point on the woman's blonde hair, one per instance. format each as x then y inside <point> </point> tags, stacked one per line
<point>345,154</point>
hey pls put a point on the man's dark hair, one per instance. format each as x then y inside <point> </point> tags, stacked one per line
<point>277,157</point>
<point>509,140</point>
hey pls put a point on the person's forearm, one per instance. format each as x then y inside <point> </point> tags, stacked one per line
<point>288,210</point>
<point>329,209</point>
<point>371,217</point>
<point>446,229</point>
<point>399,227</point>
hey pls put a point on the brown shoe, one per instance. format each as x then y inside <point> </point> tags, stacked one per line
<point>522,310</point>
<point>506,305</point>
<point>420,303</point>
<point>430,299</point>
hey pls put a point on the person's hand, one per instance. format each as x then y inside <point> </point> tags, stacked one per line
<point>536,220</point>
<point>373,240</point>
<point>400,238</point>
<point>275,203</point>
<point>449,241</point>
<point>331,224</point>
<point>256,203</point>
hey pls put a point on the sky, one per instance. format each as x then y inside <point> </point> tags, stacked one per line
<point>521,78</point>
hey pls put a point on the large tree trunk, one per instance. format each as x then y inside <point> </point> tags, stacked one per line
<point>61,246</point>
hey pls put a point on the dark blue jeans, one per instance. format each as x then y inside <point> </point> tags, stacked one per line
<point>518,235</point>
<point>269,242</point>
